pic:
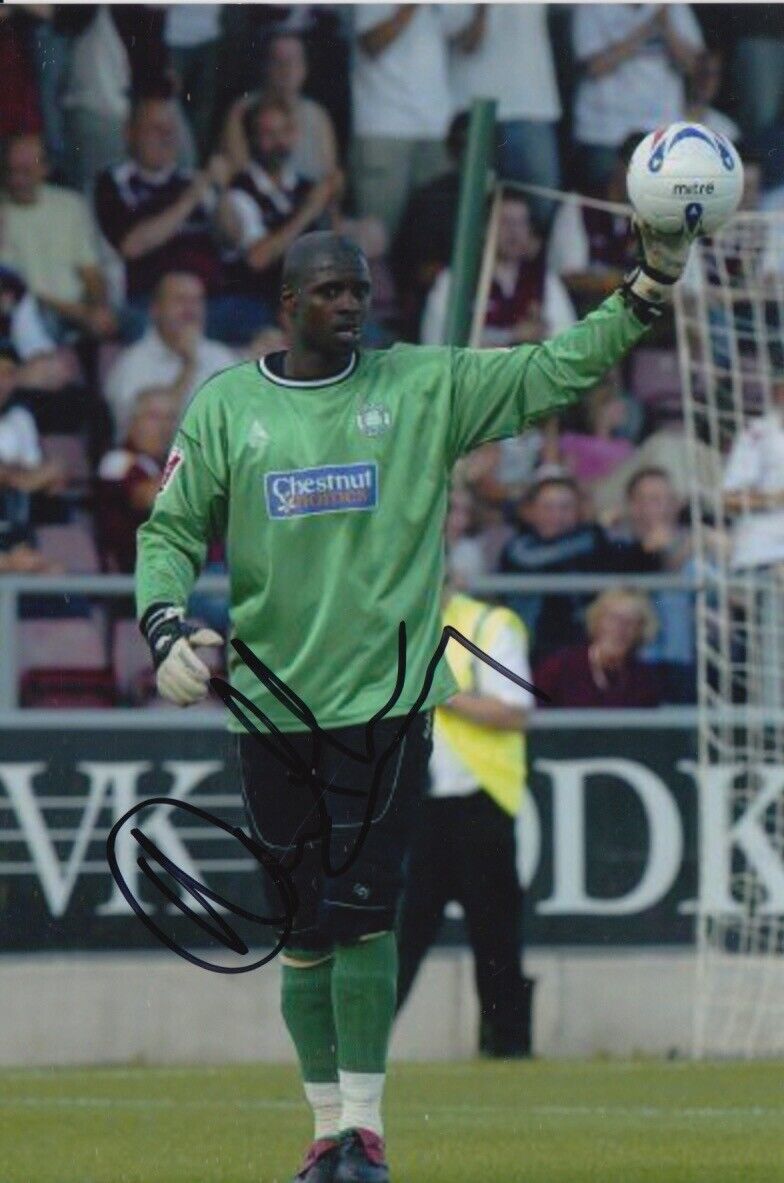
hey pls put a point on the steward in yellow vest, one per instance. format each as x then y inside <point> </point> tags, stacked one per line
<point>495,756</point>
<point>464,844</point>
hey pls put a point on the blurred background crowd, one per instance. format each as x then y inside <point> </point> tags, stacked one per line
<point>158,160</point>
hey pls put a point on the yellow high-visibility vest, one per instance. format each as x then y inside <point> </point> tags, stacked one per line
<point>496,758</point>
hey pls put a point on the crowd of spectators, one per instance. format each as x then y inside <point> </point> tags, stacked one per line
<point>158,160</point>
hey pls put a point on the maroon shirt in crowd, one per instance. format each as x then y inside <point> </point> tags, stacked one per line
<point>566,677</point>
<point>504,311</point>
<point>125,196</point>
<point>611,241</point>
<point>116,519</point>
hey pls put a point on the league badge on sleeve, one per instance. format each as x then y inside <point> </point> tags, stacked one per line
<point>173,462</point>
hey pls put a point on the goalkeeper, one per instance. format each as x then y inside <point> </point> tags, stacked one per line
<point>326,469</point>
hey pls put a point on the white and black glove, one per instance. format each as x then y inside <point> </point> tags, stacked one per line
<point>663,259</point>
<point>181,676</point>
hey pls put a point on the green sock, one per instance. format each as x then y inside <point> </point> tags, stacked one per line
<point>364,993</point>
<point>306,1003</point>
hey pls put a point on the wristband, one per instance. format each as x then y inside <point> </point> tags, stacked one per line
<point>645,296</point>
<point>162,625</point>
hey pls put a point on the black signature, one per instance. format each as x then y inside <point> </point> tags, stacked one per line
<point>307,773</point>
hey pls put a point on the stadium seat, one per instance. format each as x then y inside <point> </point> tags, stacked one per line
<point>64,665</point>
<point>72,546</point>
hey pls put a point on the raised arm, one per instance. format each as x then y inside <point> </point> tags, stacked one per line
<point>146,236</point>
<point>375,39</point>
<point>498,393</point>
<point>610,57</point>
<point>152,232</point>
<point>682,38</point>
<point>271,246</point>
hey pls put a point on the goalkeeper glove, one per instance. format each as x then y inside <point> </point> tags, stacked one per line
<point>663,259</point>
<point>181,676</point>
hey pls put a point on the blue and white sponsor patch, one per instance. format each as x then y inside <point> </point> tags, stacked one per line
<point>332,488</point>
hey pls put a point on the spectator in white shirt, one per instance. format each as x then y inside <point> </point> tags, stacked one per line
<point>96,100</point>
<point>633,59</point>
<point>754,488</point>
<point>401,103</point>
<point>173,354</point>
<point>504,53</point>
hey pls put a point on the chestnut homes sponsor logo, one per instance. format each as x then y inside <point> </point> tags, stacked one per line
<point>331,488</point>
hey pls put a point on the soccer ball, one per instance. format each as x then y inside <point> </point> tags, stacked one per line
<point>685,176</point>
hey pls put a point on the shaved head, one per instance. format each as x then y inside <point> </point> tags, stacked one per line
<point>319,251</point>
<point>325,299</point>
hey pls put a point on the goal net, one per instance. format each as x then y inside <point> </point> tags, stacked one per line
<point>730,333</point>
<point>729,383</point>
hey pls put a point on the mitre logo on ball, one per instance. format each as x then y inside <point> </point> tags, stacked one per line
<point>696,190</point>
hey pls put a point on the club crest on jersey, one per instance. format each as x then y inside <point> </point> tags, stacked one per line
<point>173,462</point>
<point>332,488</point>
<point>374,419</point>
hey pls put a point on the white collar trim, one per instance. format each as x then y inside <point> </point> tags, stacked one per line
<point>308,383</point>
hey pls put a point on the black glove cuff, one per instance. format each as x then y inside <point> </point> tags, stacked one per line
<point>656,276</point>
<point>162,625</point>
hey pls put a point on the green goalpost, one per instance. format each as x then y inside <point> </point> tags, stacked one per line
<point>477,180</point>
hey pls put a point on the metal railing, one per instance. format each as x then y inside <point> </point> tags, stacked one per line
<point>108,587</point>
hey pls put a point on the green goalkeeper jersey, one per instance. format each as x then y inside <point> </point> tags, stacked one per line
<point>331,496</point>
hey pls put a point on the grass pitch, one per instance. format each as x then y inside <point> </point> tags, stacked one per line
<point>595,1122</point>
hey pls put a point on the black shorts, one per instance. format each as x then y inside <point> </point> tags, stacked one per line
<point>342,834</point>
